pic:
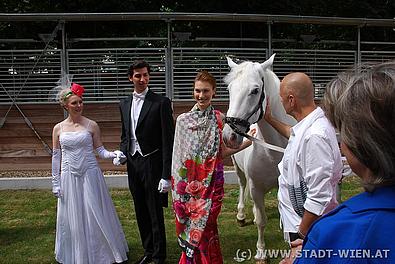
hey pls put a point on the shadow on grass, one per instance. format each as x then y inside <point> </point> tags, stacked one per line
<point>13,235</point>
<point>27,226</point>
<point>27,244</point>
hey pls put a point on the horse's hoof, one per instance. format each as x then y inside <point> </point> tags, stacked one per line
<point>241,222</point>
<point>260,257</point>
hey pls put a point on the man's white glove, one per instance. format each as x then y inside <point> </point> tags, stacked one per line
<point>164,186</point>
<point>119,159</point>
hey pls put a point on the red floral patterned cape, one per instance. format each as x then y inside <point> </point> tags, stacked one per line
<point>195,156</point>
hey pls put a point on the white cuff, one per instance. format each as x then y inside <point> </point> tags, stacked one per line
<point>105,154</point>
<point>314,206</point>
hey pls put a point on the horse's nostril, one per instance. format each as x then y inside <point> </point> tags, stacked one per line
<point>232,137</point>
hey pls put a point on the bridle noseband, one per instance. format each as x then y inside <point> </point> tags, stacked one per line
<point>234,122</point>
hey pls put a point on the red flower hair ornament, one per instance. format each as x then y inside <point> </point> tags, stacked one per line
<point>77,89</point>
<point>74,89</point>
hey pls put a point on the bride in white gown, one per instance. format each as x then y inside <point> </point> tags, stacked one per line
<point>87,229</point>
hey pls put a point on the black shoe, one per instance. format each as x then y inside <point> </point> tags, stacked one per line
<point>144,260</point>
<point>159,261</point>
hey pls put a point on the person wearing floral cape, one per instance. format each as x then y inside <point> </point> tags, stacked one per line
<point>197,175</point>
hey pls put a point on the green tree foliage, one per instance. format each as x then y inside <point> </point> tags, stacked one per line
<point>342,8</point>
<point>335,8</point>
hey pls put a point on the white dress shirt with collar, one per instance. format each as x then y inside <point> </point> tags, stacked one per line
<point>311,161</point>
<point>137,104</point>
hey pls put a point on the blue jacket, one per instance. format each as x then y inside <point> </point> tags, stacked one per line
<point>361,230</point>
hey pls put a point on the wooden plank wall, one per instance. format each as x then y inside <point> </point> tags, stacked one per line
<point>20,149</point>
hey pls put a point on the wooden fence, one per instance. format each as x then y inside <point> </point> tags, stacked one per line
<point>20,148</point>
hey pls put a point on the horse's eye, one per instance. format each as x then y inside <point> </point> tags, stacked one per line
<point>255,91</point>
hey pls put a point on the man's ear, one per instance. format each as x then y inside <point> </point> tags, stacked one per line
<point>291,99</point>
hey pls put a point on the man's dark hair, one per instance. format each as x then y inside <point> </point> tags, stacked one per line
<point>138,64</point>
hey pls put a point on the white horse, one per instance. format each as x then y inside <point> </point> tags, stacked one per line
<point>250,84</point>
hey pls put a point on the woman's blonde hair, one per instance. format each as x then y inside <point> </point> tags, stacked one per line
<point>62,96</point>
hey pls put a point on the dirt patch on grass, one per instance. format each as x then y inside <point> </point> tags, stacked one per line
<point>47,173</point>
<point>43,173</point>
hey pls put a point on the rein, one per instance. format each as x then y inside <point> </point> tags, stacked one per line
<point>253,139</point>
<point>263,143</point>
<point>234,122</point>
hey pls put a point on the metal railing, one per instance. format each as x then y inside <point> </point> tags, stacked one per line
<point>28,75</point>
<point>188,61</point>
<point>103,72</point>
<point>31,76</point>
<point>320,65</point>
<point>377,56</point>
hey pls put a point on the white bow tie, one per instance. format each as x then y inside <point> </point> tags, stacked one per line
<point>138,96</point>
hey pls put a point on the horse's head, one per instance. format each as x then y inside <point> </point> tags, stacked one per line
<point>249,84</point>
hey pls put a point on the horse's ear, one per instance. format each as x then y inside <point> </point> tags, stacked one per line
<point>269,62</point>
<point>231,63</point>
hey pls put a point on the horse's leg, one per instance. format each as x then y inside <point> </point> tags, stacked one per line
<point>242,187</point>
<point>258,197</point>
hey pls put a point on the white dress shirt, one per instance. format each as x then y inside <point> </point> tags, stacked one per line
<point>312,154</point>
<point>137,104</point>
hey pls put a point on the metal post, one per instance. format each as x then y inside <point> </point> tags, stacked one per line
<point>358,62</point>
<point>269,39</point>
<point>169,65</point>
<point>241,34</point>
<point>63,58</point>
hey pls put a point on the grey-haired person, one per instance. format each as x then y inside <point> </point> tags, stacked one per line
<point>361,230</point>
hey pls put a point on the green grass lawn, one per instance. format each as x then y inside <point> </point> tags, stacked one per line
<point>27,225</point>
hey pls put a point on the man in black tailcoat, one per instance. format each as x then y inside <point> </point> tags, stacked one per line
<point>147,141</point>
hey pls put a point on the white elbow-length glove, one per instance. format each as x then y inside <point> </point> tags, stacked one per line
<point>119,159</point>
<point>104,153</point>
<point>56,159</point>
<point>164,186</point>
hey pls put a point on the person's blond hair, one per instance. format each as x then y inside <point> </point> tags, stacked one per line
<point>62,96</point>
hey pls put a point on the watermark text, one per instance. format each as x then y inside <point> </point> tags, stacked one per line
<point>246,254</point>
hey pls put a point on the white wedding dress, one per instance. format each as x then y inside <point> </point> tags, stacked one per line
<point>87,229</point>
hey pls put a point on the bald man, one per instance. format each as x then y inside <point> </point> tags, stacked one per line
<point>311,166</point>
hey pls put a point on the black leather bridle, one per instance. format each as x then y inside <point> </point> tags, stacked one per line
<point>235,122</point>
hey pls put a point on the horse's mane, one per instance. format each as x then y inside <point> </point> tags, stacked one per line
<point>272,88</point>
<point>272,85</point>
<point>239,71</point>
